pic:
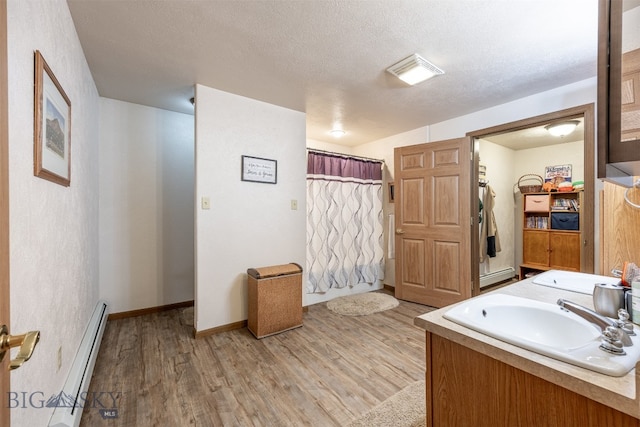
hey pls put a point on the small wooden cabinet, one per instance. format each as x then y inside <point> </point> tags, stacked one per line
<point>551,232</point>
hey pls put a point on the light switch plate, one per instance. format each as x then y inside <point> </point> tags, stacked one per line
<point>205,203</point>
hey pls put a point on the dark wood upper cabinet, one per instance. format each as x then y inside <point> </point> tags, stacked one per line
<point>619,91</point>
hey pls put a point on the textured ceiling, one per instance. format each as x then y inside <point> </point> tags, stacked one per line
<point>328,58</point>
<point>535,137</point>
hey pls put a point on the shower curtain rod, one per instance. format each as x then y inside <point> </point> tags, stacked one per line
<point>333,153</point>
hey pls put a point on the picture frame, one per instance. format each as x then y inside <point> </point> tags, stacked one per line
<point>258,169</point>
<point>52,126</point>
<point>557,174</point>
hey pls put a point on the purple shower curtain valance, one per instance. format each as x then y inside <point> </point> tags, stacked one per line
<point>323,165</point>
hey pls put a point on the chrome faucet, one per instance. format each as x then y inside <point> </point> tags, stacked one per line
<point>609,327</point>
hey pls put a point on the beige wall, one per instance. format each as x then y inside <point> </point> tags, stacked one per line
<point>146,191</point>
<point>500,173</point>
<point>53,229</point>
<point>249,224</point>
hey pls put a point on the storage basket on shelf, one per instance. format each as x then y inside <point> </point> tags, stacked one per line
<point>565,221</point>
<point>530,188</point>
<point>275,299</point>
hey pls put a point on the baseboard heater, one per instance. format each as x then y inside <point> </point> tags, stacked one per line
<point>497,276</point>
<point>68,408</point>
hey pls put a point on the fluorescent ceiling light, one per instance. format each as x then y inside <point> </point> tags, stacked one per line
<point>562,128</point>
<point>337,133</point>
<point>414,69</point>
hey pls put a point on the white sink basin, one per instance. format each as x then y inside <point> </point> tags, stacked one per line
<point>544,328</point>
<point>582,283</point>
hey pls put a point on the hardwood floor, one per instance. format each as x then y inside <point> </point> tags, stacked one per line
<point>326,373</point>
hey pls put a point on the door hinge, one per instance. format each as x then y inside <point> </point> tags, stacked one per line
<point>471,219</point>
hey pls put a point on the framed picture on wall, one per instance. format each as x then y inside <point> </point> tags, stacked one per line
<point>52,126</point>
<point>256,169</point>
<point>557,174</point>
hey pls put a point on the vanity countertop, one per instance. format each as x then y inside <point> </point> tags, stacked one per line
<point>620,393</point>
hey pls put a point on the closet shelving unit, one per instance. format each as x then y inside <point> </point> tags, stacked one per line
<point>551,232</point>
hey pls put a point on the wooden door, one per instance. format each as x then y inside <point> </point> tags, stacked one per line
<point>564,251</point>
<point>433,222</point>
<point>4,208</point>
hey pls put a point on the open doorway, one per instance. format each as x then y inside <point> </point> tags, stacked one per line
<point>512,150</point>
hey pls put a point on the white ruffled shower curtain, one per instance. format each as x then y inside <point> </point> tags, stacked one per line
<point>344,221</point>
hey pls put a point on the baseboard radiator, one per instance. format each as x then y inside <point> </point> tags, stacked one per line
<point>68,411</point>
<point>497,276</point>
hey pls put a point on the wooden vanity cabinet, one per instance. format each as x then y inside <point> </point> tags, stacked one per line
<point>468,388</point>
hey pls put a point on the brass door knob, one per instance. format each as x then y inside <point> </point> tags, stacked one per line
<point>399,231</point>
<point>27,343</point>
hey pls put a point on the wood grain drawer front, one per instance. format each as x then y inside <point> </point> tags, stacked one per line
<point>536,203</point>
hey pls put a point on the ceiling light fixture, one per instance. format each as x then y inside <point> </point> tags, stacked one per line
<point>414,69</point>
<point>562,128</point>
<point>337,133</point>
